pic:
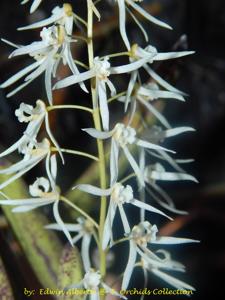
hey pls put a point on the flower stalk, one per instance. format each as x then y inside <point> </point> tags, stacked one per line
<point>100,146</point>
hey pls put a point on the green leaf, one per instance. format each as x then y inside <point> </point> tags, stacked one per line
<point>70,271</point>
<point>5,287</point>
<point>41,247</point>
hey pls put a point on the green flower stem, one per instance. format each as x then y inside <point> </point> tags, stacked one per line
<point>74,152</point>
<point>116,96</point>
<point>83,213</point>
<point>118,242</point>
<point>79,107</point>
<point>97,124</point>
<point>127,178</point>
<point>81,64</point>
<point>80,19</point>
<point>117,54</point>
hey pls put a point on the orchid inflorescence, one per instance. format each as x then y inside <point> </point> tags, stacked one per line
<point>54,49</point>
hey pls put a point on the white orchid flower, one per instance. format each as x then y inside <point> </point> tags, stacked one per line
<point>123,5</point>
<point>33,153</point>
<point>101,70</point>
<point>122,136</point>
<point>141,235</point>
<point>170,265</point>
<point>157,172</point>
<point>154,173</point>
<point>119,196</point>
<point>45,192</point>
<point>151,54</point>
<point>34,5</point>
<point>84,229</point>
<point>34,116</point>
<point>92,281</point>
<point>146,94</point>
<point>47,53</point>
<point>60,15</point>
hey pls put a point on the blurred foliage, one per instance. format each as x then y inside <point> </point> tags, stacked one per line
<point>5,287</point>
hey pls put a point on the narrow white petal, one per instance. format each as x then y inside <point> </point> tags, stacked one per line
<point>102,135</point>
<point>52,138</point>
<point>168,206</point>
<point>176,131</point>
<point>69,25</point>
<point>162,193</point>
<point>184,161</point>
<point>42,23</point>
<point>20,87</point>
<point>26,208</point>
<point>156,94</point>
<point>129,67</point>
<point>134,165</point>
<point>28,201</point>
<point>155,112</point>
<point>161,81</point>
<point>73,66</point>
<point>130,88</point>
<point>20,74</point>
<point>19,174</point>
<point>34,47</point>
<point>145,14</point>
<point>69,226</point>
<point>114,156</point>
<point>103,105</point>
<point>166,240</point>
<point>107,232</point>
<point>48,171</point>
<point>130,265</point>
<point>148,207</point>
<point>48,80</point>
<point>18,166</point>
<point>149,145</point>
<point>85,245</point>
<point>111,87</point>
<point>165,156</point>
<point>53,166</point>
<point>96,12</point>
<point>73,79</point>
<point>172,55</point>
<point>13,147</point>
<point>122,23</point>
<point>178,284</point>
<point>38,71</point>
<point>171,176</point>
<point>142,160</point>
<point>88,188</point>
<point>123,216</point>
<point>10,43</point>
<point>60,222</point>
<point>133,108</point>
<point>138,24</point>
<point>35,5</point>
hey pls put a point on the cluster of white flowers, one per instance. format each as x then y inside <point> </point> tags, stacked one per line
<point>53,49</point>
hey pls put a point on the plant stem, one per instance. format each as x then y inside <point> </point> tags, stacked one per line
<point>100,146</point>
<point>53,107</point>
<point>116,96</point>
<point>83,213</point>
<point>80,153</point>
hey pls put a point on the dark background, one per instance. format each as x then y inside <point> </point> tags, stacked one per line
<point>201,76</point>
